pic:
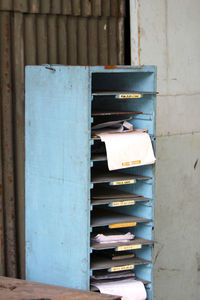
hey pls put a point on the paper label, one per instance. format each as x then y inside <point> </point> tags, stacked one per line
<point>120,182</point>
<point>125,96</point>
<point>122,203</point>
<point>121,268</point>
<point>131,163</point>
<point>120,225</point>
<point>128,247</point>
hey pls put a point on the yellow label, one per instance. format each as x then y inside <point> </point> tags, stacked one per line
<point>126,164</point>
<point>121,268</point>
<point>123,203</point>
<point>120,225</point>
<point>122,182</point>
<point>122,96</point>
<point>131,163</point>
<point>128,247</point>
<point>136,162</point>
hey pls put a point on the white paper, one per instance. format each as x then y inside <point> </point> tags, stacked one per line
<point>129,149</point>
<point>113,126</point>
<point>129,289</point>
<point>113,238</point>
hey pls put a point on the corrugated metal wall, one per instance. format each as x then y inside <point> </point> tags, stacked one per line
<point>38,32</point>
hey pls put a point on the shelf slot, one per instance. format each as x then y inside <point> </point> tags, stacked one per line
<point>100,113</point>
<point>98,157</point>
<point>97,138</point>
<point>124,94</point>
<point>115,178</point>
<point>102,217</point>
<point>119,202</point>
<point>99,263</point>
<point>103,192</point>
<point>114,198</point>
<point>135,242</point>
<point>94,289</point>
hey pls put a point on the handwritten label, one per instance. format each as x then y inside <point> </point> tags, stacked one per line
<point>131,163</point>
<point>125,96</point>
<point>122,203</point>
<point>120,225</point>
<point>128,247</point>
<point>120,182</point>
<point>121,268</point>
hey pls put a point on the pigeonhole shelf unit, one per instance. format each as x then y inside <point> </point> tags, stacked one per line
<point>70,194</point>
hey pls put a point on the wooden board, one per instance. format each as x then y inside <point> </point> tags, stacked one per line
<point>16,289</point>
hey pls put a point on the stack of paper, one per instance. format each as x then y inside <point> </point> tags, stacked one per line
<point>104,275</point>
<point>113,237</point>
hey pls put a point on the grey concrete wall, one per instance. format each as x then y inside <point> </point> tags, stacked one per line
<point>170,39</point>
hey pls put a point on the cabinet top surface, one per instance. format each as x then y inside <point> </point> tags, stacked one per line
<point>119,68</point>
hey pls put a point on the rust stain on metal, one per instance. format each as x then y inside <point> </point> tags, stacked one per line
<point>7,30</point>
<point>114,5</point>
<point>110,67</point>
<point>10,179</point>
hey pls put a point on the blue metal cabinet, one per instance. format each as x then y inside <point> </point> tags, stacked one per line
<point>59,210</point>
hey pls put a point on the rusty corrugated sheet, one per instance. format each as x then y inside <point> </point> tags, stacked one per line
<point>37,32</point>
<point>73,40</point>
<point>7,146</point>
<point>2,243</point>
<point>17,38</point>
<point>85,8</point>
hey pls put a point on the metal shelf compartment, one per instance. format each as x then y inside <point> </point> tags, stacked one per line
<point>61,207</point>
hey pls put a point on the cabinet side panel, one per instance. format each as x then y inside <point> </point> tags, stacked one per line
<point>57,175</point>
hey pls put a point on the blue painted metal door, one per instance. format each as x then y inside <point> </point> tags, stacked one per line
<point>57,175</point>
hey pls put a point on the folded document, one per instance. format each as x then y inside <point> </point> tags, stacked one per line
<point>128,149</point>
<point>113,126</point>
